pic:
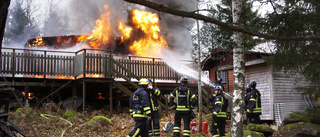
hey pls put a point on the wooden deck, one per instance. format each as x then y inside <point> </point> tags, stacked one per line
<point>26,67</point>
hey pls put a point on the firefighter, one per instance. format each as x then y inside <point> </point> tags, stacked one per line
<point>218,83</point>
<point>140,110</point>
<point>185,101</point>
<point>219,115</point>
<point>154,93</point>
<point>254,104</point>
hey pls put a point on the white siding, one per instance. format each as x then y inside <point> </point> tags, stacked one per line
<point>261,73</point>
<point>286,98</point>
<point>285,84</point>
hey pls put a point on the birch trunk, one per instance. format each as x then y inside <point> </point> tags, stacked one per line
<point>238,68</point>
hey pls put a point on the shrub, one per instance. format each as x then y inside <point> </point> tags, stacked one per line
<point>312,114</point>
<point>99,118</point>
<point>69,113</point>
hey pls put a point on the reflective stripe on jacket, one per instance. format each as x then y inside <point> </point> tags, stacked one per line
<point>254,102</point>
<point>220,106</point>
<point>154,94</point>
<point>139,104</point>
<point>185,99</point>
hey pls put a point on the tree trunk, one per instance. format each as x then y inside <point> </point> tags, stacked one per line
<point>238,68</point>
<point>3,18</point>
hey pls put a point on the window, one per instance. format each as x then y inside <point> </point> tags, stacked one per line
<point>222,75</point>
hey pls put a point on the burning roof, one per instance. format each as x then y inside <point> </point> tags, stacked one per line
<point>139,35</point>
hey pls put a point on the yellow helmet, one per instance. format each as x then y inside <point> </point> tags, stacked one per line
<point>143,81</point>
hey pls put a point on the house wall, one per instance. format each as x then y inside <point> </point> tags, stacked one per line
<point>262,74</point>
<point>286,98</point>
<point>285,84</point>
<point>230,81</point>
<point>212,74</point>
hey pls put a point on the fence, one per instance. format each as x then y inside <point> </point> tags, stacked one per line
<point>83,63</point>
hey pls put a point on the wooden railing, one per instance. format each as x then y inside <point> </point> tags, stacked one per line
<point>83,63</point>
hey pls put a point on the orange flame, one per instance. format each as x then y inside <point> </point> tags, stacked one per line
<point>101,32</point>
<point>152,42</point>
<point>145,28</point>
<point>37,42</point>
<point>125,30</point>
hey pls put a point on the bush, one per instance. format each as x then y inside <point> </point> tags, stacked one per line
<point>21,115</point>
<point>312,114</point>
<point>99,118</point>
<point>69,113</point>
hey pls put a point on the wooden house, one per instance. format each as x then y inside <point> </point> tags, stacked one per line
<point>279,96</point>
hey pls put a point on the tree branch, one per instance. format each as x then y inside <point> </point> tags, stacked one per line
<point>162,8</point>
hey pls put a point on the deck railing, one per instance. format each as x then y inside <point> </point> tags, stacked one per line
<point>83,63</point>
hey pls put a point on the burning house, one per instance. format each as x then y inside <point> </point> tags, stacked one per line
<point>91,62</point>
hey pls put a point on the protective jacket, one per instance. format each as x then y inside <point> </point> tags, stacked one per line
<point>185,99</point>
<point>220,106</point>
<point>139,104</point>
<point>154,94</point>
<point>254,102</point>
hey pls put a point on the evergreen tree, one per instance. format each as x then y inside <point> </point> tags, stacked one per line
<point>296,18</point>
<point>54,25</point>
<point>20,24</point>
<point>16,23</point>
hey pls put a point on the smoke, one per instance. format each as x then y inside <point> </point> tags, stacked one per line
<point>84,13</point>
<point>177,29</point>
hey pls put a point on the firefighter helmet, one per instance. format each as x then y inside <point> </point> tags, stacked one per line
<point>143,81</point>
<point>253,84</point>
<point>149,80</point>
<point>184,79</point>
<point>218,87</point>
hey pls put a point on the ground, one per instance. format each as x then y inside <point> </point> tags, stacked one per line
<point>48,122</point>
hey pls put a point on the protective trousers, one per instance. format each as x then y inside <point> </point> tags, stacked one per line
<point>155,122</point>
<point>140,128</point>
<point>253,118</point>
<point>218,123</point>
<point>177,123</point>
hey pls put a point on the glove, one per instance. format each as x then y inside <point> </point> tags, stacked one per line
<point>174,106</point>
<point>214,116</point>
